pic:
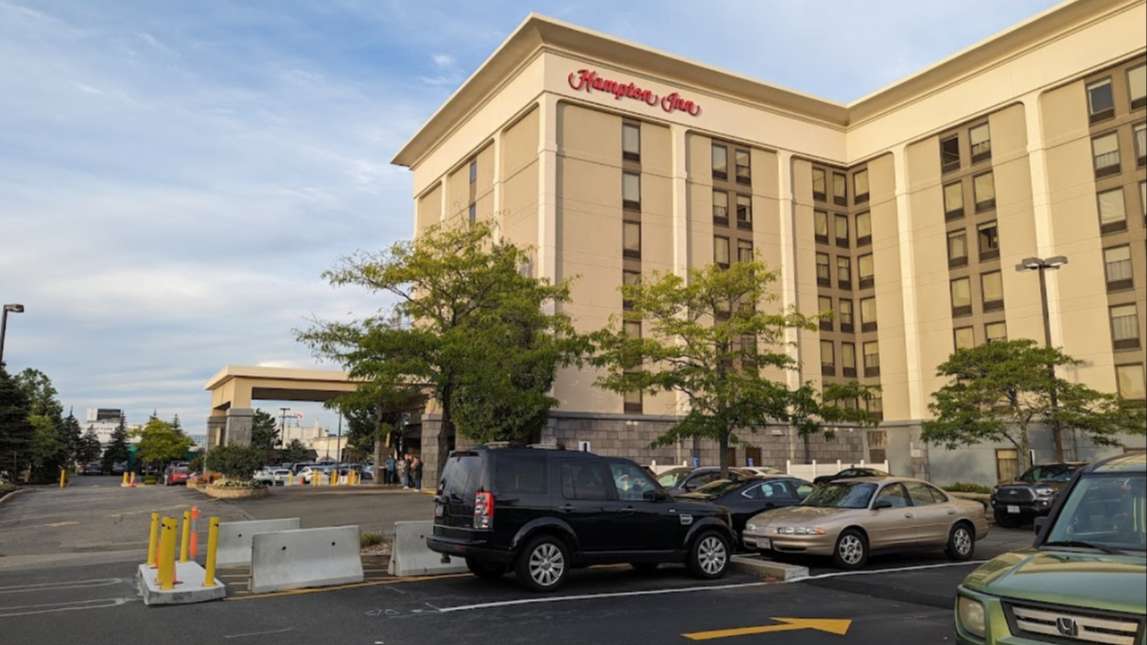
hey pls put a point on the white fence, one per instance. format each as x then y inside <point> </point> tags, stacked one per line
<point>815,469</point>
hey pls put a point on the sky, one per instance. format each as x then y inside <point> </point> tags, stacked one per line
<point>175,176</point>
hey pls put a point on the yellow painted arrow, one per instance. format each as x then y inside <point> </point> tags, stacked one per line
<point>838,626</point>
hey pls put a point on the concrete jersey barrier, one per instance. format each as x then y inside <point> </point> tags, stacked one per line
<point>235,538</point>
<point>305,558</point>
<point>409,555</point>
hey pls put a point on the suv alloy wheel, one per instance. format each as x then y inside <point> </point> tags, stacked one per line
<point>544,564</point>
<point>709,556</point>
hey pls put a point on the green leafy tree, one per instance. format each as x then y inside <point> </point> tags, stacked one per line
<point>708,338</point>
<point>474,313</point>
<point>48,453</point>
<point>997,391</point>
<point>15,430</point>
<point>812,411</point>
<point>89,448</point>
<point>264,431</point>
<point>41,394</point>
<point>295,452</point>
<point>373,412</point>
<point>71,437</point>
<point>161,442</point>
<point>175,422</point>
<point>235,462</point>
<point>117,450</point>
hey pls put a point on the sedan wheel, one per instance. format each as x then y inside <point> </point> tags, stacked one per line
<point>543,565</point>
<point>709,557</point>
<point>851,550</point>
<point>961,543</point>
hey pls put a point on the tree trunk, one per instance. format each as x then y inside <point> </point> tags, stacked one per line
<point>1025,451</point>
<point>444,431</point>
<point>723,448</point>
<point>807,449</point>
<point>379,439</point>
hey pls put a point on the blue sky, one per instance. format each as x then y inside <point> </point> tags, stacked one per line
<point>175,176</point>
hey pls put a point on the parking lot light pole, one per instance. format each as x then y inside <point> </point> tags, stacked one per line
<point>16,309</point>
<point>1041,265</point>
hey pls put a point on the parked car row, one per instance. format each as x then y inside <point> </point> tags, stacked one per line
<point>540,512</point>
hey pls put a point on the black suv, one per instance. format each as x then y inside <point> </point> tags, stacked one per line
<point>542,512</point>
<point>1032,494</point>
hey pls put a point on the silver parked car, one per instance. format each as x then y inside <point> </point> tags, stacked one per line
<point>849,519</point>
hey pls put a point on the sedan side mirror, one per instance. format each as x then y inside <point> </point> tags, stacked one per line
<point>882,503</point>
<point>1038,524</point>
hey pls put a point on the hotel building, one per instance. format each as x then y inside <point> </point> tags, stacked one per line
<point>905,212</point>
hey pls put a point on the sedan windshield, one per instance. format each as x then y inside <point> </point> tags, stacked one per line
<point>1054,473</point>
<point>841,495</point>
<point>1103,512</point>
<point>719,487</point>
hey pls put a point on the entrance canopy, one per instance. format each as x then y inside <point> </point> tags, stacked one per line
<point>234,387</point>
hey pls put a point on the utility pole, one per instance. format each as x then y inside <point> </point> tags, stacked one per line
<point>13,308</point>
<point>283,424</point>
<point>1042,265</point>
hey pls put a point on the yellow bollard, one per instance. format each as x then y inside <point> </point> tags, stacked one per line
<point>124,482</point>
<point>131,480</point>
<point>166,572</point>
<point>185,537</point>
<point>194,533</point>
<point>153,541</point>
<point>212,544</point>
<point>335,477</point>
<point>63,478</point>
<point>315,477</point>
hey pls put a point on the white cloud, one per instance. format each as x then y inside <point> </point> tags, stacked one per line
<point>443,60</point>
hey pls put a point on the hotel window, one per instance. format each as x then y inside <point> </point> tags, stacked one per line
<point>864,270</point>
<point>1100,100</point>
<point>980,139</point>
<point>820,226</point>
<point>840,228</point>
<point>824,310</point>
<point>872,359</point>
<point>1129,379</point>
<point>996,331</point>
<point>720,207</point>
<point>843,273</point>
<point>845,315</point>
<point>472,213</point>
<point>863,228</point>
<point>953,201</point>
<point>992,291</point>
<point>848,360</point>
<point>839,189</point>
<point>473,171</point>
<point>961,289</point>
<point>988,235</point>
<point>860,187</point>
<point>1125,327</point>
<point>1105,153</point>
<point>1141,144</point>
<point>1137,86</point>
<point>957,248</point>
<point>964,337</point>
<point>984,191</point>
<point>629,279</point>
<point>1112,215</point>
<point>744,251</point>
<point>744,172</point>
<point>631,239</point>
<point>950,154</point>
<point>868,314</point>
<point>631,190</point>
<point>827,359</point>
<point>631,141</point>
<point>720,161</point>
<point>633,402</point>
<point>744,211</point>
<point>819,184</point>
<point>1117,266</point>
<point>721,251</point>
<point>823,270</point>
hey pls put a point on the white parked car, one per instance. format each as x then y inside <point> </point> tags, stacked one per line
<point>273,476</point>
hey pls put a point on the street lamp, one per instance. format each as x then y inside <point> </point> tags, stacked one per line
<point>16,309</point>
<point>1043,264</point>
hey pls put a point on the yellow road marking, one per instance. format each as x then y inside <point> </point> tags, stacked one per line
<point>353,585</point>
<point>838,626</point>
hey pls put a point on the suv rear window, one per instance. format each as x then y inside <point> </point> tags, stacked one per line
<point>462,474</point>
<point>584,479</point>
<point>517,473</point>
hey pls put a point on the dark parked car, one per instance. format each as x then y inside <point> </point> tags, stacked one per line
<point>1032,494</point>
<point>687,480</point>
<point>747,497</point>
<point>94,468</point>
<point>852,472</point>
<point>541,512</point>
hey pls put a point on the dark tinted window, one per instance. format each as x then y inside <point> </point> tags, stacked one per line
<point>584,480</point>
<point>702,479</point>
<point>895,494</point>
<point>519,473</point>
<point>462,475</point>
<point>799,488</point>
<point>772,490</point>
<point>631,481</point>
<point>1053,473</point>
<point>922,494</point>
<point>719,487</point>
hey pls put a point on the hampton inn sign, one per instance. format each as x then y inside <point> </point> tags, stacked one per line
<point>588,80</point>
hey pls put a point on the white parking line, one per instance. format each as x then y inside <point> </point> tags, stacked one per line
<point>739,585</point>
<point>68,584</point>
<point>51,608</point>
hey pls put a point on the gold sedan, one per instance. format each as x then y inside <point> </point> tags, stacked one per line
<point>851,518</point>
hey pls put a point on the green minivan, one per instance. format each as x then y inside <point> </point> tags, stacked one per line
<point>1084,580</point>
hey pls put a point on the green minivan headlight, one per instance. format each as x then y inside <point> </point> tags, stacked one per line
<point>971,613</point>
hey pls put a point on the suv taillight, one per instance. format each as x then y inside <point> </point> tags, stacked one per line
<point>484,510</point>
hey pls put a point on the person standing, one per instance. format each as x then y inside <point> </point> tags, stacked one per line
<point>416,472</point>
<point>401,469</point>
<point>388,472</point>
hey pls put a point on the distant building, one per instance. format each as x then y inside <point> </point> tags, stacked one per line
<point>104,421</point>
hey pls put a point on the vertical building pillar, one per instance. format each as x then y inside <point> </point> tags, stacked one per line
<point>906,231</point>
<point>788,258</point>
<point>679,178</point>
<point>1041,206</point>
<point>442,196</point>
<point>496,187</point>
<point>547,187</point>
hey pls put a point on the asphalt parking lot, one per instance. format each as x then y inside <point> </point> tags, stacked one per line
<point>83,596</point>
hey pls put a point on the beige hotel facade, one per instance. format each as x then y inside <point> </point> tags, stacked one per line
<point>904,213</point>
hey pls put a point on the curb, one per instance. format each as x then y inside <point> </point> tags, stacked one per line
<point>11,493</point>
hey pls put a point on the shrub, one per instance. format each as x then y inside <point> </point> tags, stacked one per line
<point>150,480</point>
<point>235,462</point>
<point>369,539</point>
<point>962,487</point>
<point>237,483</point>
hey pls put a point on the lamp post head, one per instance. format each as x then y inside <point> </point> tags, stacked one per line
<point>1056,261</point>
<point>1029,264</point>
<point>14,308</point>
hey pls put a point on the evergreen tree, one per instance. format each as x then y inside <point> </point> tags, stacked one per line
<point>71,437</point>
<point>264,431</point>
<point>15,429</point>
<point>89,448</point>
<point>175,422</point>
<point>117,450</point>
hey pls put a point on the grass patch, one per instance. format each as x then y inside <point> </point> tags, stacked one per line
<point>963,487</point>
<point>6,488</point>
<point>369,539</point>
